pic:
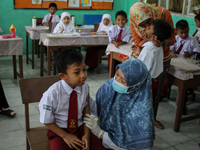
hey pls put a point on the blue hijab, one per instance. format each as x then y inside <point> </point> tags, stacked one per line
<point>128,118</point>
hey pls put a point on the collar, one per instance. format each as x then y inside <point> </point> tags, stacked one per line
<point>68,89</point>
<point>120,28</point>
<point>149,43</point>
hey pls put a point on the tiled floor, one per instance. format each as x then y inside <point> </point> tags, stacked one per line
<point>12,130</point>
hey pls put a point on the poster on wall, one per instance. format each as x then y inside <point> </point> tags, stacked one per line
<point>36,1</point>
<point>73,3</point>
<point>48,0</point>
<point>103,1</point>
<point>62,0</point>
<point>87,3</point>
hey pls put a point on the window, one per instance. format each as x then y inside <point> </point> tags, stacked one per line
<point>177,7</point>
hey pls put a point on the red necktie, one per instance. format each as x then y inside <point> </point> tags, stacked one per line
<point>195,32</point>
<point>50,19</point>
<point>72,123</point>
<point>180,48</point>
<point>119,36</point>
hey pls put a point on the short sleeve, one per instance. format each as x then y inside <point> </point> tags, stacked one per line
<point>46,109</point>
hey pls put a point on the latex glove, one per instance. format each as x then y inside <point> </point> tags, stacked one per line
<point>91,122</point>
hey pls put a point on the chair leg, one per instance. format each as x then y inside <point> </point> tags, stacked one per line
<point>27,145</point>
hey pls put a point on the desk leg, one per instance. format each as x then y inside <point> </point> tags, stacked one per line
<point>48,61</point>
<point>98,60</point>
<point>33,54</point>
<point>42,60</point>
<point>14,67</point>
<point>112,65</point>
<point>21,67</point>
<point>180,105</point>
<point>26,48</point>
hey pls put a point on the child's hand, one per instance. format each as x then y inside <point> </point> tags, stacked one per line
<point>186,54</point>
<point>116,44</point>
<point>86,141</point>
<point>62,29</point>
<point>72,141</point>
<point>136,49</point>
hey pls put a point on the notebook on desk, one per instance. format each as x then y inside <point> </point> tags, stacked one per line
<point>84,34</point>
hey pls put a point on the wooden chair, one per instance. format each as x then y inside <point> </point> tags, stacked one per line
<point>100,51</point>
<point>32,90</point>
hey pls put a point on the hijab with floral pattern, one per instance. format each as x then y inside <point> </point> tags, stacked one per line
<point>140,12</point>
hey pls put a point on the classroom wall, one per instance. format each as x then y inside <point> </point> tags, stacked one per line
<point>23,17</point>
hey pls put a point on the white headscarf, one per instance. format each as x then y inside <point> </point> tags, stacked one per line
<point>68,28</point>
<point>102,27</point>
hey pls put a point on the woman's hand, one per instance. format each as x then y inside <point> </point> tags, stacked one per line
<point>72,141</point>
<point>91,122</point>
<point>136,49</point>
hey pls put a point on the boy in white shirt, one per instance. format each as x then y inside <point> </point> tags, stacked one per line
<point>119,34</point>
<point>152,56</point>
<point>65,103</point>
<point>51,17</point>
<point>186,45</point>
<point>197,32</point>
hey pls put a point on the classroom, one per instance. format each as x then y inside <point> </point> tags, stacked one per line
<point>28,71</point>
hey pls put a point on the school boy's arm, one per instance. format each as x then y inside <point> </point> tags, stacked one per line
<point>71,140</point>
<point>86,137</point>
<point>115,43</point>
<point>45,21</point>
<point>126,36</point>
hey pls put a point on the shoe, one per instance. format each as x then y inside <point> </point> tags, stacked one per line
<point>8,113</point>
<point>91,69</point>
<point>158,124</point>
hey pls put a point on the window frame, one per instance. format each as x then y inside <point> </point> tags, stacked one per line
<point>186,12</point>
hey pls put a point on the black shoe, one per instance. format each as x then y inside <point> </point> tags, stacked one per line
<point>90,69</point>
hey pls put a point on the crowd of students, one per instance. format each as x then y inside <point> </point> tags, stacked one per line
<point>126,104</point>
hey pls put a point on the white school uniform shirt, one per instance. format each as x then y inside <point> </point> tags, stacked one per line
<point>46,18</point>
<point>115,30</point>
<point>190,45</point>
<point>152,57</point>
<point>54,104</point>
<point>102,27</point>
<point>68,28</point>
<point>197,35</point>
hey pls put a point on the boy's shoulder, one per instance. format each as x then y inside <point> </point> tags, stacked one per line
<point>54,87</point>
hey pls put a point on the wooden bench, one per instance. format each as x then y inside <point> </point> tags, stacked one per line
<point>32,90</point>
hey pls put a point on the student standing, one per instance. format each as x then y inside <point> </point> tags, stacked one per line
<point>152,56</point>
<point>51,17</point>
<point>65,103</point>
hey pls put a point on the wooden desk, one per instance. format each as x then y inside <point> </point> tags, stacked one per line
<point>114,55</point>
<point>34,34</point>
<point>13,46</point>
<point>184,75</point>
<point>52,41</point>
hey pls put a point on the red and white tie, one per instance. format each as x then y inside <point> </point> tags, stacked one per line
<point>119,36</point>
<point>50,19</point>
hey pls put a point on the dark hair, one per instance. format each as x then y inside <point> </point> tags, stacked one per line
<point>121,12</point>
<point>162,29</point>
<point>182,24</point>
<point>67,57</point>
<point>52,5</point>
<point>197,17</point>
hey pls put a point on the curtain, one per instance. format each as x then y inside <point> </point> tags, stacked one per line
<point>176,5</point>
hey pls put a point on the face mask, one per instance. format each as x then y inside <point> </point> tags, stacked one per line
<point>118,87</point>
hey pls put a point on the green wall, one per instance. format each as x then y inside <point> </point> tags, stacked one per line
<point>22,17</point>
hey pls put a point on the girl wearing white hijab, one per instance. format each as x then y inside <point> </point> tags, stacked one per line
<point>64,25</point>
<point>105,24</point>
<point>92,54</point>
